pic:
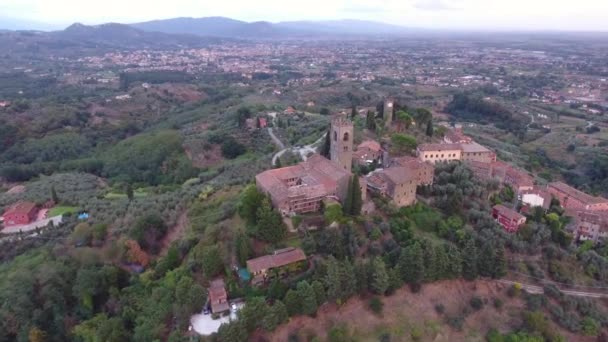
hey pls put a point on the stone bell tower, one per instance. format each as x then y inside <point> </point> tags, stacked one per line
<point>389,110</point>
<point>341,147</point>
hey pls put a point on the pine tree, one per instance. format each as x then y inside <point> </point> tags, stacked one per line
<point>362,273</point>
<point>277,314</point>
<point>430,262</point>
<point>348,201</point>
<point>429,128</point>
<point>332,279</point>
<point>469,260</point>
<point>380,280</point>
<point>54,196</point>
<point>319,292</point>
<point>394,280</point>
<point>411,264</point>
<point>242,247</point>
<point>357,201</point>
<point>326,145</point>
<point>251,200</point>
<point>292,302</point>
<point>308,298</point>
<point>485,262</point>
<point>453,268</point>
<point>353,112</point>
<point>370,121</point>
<point>270,226</point>
<point>500,263</point>
<point>129,191</point>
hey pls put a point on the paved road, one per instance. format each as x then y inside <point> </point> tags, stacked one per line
<point>276,140</point>
<point>302,151</point>
<point>535,289</point>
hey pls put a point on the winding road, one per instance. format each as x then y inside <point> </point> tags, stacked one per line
<point>302,151</point>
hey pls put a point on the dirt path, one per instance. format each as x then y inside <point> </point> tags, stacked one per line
<point>175,232</point>
<point>535,289</point>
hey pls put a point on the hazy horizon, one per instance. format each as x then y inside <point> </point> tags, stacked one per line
<point>500,15</point>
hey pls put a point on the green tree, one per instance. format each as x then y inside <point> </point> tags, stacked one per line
<point>129,192</point>
<point>429,128</point>
<point>211,261</point>
<point>380,279</point>
<point>101,328</point>
<point>242,247</point>
<point>148,232</point>
<point>403,142</point>
<point>357,201</point>
<point>320,294</point>
<point>469,260</point>
<point>348,201</point>
<point>277,314</point>
<point>404,119</point>
<point>411,264</point>
<point>326,147</point>
<point>293,303</point>
<point>253,313</point>
<point>242,114</point>
<point>234,331</point>
<point>54,196</point>
<point>500,263</point>
<point>270,225</point>
<point>370,121</point>
<point>308,298</point>
<point>250,202</point>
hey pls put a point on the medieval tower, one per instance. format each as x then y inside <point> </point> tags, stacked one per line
<point>341,147</point>
<point>389,109</point>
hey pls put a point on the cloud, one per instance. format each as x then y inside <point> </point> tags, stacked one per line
<point>435,5</point>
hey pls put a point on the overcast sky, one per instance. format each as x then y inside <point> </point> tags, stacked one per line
<point>589,15</point>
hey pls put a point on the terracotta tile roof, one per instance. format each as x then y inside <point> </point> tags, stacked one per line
<point>217,290</point>
<point>279,258</point>
<point>508,213</point>
<point>371,145</point>
<point>474,147</point>
<point>20,208</point>
<point>577,194</point>
<point>439,147</point>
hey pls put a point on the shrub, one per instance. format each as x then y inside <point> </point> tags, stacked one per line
<point>498,303</point>
<point>590,327</point>
<point>476,303</point>
<point>376,305</point>
<point>514,290</point>
<point>416,333</point>
<point>455,322</point>
<point>440,309</point>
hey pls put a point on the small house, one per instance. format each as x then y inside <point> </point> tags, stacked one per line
<point>281,262</point>
<point>20,213</point>
<point>218,298</point>
<point>508,218</point>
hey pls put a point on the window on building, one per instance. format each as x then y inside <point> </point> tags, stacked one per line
<point>345,136</point>
<point>335,136</point>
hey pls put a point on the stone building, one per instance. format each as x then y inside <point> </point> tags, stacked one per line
<point>572,199</point>
<point>301,188</point>
<point>397,183</point>
<point>475,152</point>
<point>591,225</point>
<point>389,111</point>
<point>341,147</point>
<point>368,152</point>
<point>439,152</point>
<point>424,171</point>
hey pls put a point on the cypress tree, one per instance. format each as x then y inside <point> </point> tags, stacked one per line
<point>429,128</point>
<point>348,201</point>
<point>370,121</point>
<point>308,299</point>
<point>469,260</point>
<point>485,262</point>
<point>327,144</point>
<point>356,202</point>
<point>500,263</point>
<point>54,196</point>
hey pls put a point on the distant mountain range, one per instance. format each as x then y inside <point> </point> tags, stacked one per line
<point>226,27</point>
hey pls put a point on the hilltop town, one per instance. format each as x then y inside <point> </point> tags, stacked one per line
<point>166,187</point>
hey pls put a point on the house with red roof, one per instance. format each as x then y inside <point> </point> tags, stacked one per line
<point>218,298</point>
<point>281,262</point>
<point>508,218</point>
<point>20,213</point>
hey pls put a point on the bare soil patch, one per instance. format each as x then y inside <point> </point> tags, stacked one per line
<point>405,312</point>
